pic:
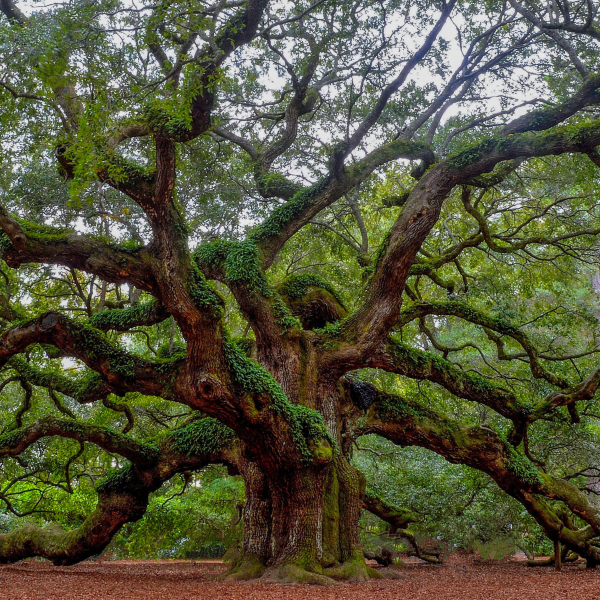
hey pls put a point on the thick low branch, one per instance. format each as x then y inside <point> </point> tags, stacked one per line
<point>397,517</point>
<point>407,423</point>
<point>123,496</point>
<point>122,371</point>
<point>15,442</point>
<point>23,243</point>
<point>416,364</point>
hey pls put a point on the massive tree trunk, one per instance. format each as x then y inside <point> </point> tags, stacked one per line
<point>303,527</point>
<point>302,524</point>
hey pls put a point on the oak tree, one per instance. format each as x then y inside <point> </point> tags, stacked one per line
<point>170,171</point>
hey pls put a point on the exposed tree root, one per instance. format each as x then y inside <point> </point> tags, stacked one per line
<point>250,567</point>
<point>389,573</point>
<point>247,567</point>
<point>353,570</point>
<point>566,557</point>
<point>290,573</point>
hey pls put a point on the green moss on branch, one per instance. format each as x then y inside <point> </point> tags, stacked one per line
<point>239,263</point>
<point>297,286</point>
<point>285,214</point>
<point>204,436</point>
<point>305,423</point>
<point>145,313</point>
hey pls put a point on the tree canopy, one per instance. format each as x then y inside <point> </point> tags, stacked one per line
<point>250,233</point>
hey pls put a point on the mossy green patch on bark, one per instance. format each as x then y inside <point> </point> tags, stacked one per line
<point>238,261</point>
<point>521,466</point>
<point>304,423</point>
<point>283,215</point>
<point>36,232</point>
<point>248,567</point>
<point>204,294</point>
<point>292,573</point>
<point>160,119</point>
<point>123,319</point>
<point>119,480</point>
<point>204,436</point>
<point>331,520</point>
<point>296,286</point>
<point>354,570</point>
<point>283,315</point>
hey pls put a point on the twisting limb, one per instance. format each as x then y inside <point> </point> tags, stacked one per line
<point>287,219</point>
<point>399,519</point>
<point>582,24</point>
<point>238,31</point>
<point>123,495</point>
<point>301,103</point>
<point>121,370</point>
<point>406,422</point>
<point>416,364</point>
<point>554,34</point>
<point>508,246</point>
<point>26,406</point>
<point>363,128</point>
<point>372,321</point>
<point>124,319</point>
<point>139,453</point>
<point>86,388</point>
<point>23,243</point>
<point>12,12</point>
<point>477,317</point>
<point>121,407</point>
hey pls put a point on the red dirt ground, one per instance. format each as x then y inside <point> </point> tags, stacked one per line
<point>460,578</point>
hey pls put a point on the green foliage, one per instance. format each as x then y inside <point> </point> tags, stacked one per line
<point>204,293</point>
<point>203,436</point>
<point>304,422</point>
<point>396,408</point>
<point>332,330</point>
<point>521,466</point>
<point>168,350</point>
<point>455,504</point>
<point>163,121</point>
<point>283,315</point>
<point>98,84</point>
<point>297,286</point>
<point>239,262</point>
<point>36,232</point>
<point>283,215</point>
<point>195,524</point>
<point>119,480</point>
<point>496,549</point>
<point>125,318</point>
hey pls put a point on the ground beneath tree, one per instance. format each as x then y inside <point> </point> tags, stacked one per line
<point>460,578</point>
